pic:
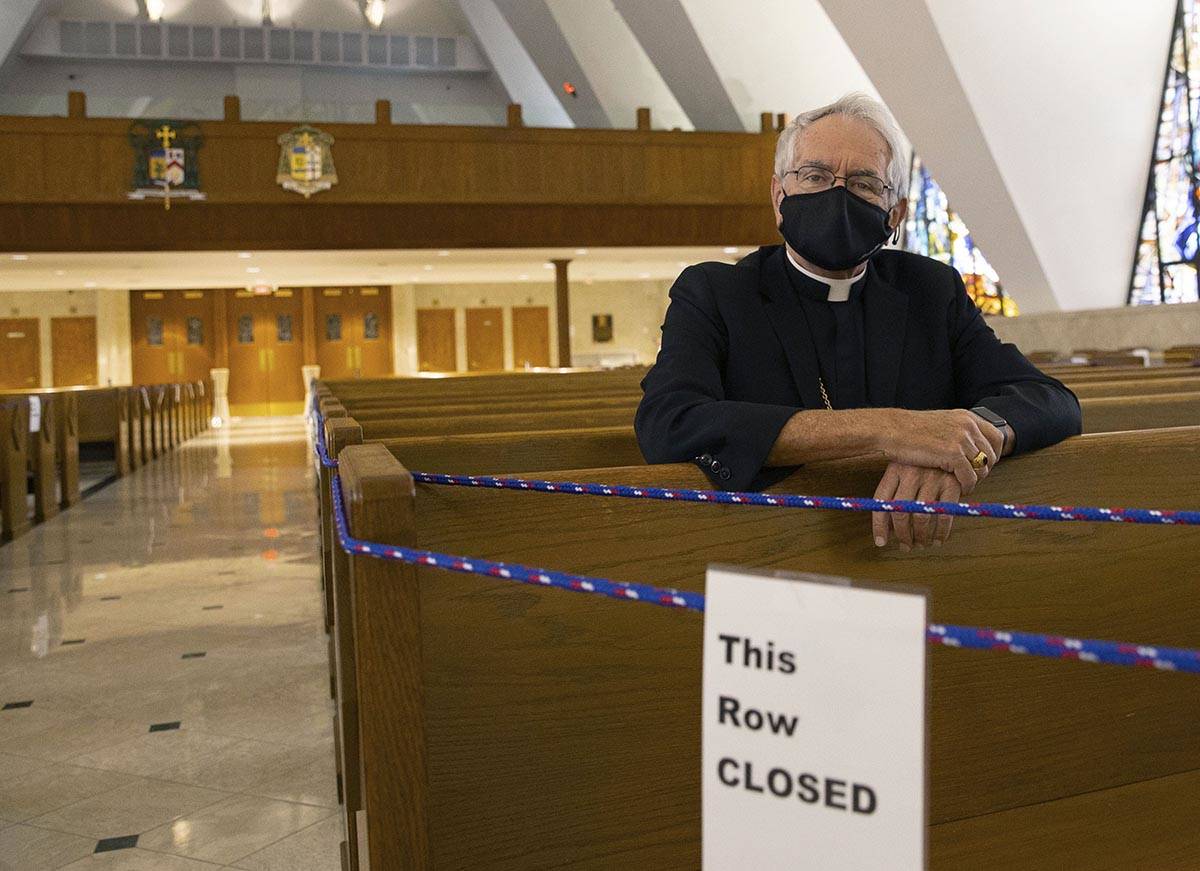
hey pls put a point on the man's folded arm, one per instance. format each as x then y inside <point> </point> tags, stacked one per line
<point>1040,410</point>
<point>684,414</point>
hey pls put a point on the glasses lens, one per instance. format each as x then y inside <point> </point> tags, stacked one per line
<point>812,178</point>
<point>869,186</point>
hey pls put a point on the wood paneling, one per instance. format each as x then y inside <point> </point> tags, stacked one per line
<point>20,352</point>
<point>531,336</point>
<point>353,331</point>
<point>73,351</point>
<point>485,339</point>
<point>437,340</point>
<point>399,186</point>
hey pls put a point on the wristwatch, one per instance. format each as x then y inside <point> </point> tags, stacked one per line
<point>995,420</point>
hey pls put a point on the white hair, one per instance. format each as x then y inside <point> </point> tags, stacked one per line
<point>864,108</point>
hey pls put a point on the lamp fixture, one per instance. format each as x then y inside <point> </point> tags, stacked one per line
<point>155,9</point>
<point>373,11</point>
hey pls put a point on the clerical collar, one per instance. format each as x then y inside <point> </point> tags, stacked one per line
<point>834,289</point>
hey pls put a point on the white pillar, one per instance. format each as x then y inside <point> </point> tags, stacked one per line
<point>309,374</point>
<point>220,380</point>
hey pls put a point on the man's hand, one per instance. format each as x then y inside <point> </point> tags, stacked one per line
<point>902,481</point>
<point>945,440</point>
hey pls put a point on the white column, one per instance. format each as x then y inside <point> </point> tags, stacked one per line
<point>309,374</point>
<point>220,380</point>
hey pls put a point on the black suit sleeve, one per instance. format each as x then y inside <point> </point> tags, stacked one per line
<point>684,413</point>
<point>988,372</point>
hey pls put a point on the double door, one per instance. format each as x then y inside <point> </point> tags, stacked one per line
<point>354,332</point>
<point>266,351</point>
<point>173,335</point>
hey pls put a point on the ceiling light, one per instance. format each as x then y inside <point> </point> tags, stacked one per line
<point>245,255</point>
<point>730,249</point>
<point>643,275</point>
<point>254,270</point>
<point>59,272</point>
<point>443,254</point>
<point>373,11</point>
<point>154,9</point>
<point>581,251</point>
<point>20,257</point>
<point>89,284</point>
<point>547,266</point>
<point>523,277</point>
<point>427,268</point>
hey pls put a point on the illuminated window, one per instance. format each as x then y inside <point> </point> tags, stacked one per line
<point>246,330</point>
<point>935,230</point>
<point>195,331</point>
<point>154,332</point>
<point>1165,261</point>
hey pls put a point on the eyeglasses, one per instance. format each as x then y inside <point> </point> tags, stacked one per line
<point>814,179</point>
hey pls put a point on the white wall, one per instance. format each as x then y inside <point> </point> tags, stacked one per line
<point>109,307</point>
<point>1066,95</point>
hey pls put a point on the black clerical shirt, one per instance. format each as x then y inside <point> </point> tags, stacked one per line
<point>837,336</point>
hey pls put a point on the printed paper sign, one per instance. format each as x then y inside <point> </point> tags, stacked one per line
<point>35,413</point>
<point>814,724</point>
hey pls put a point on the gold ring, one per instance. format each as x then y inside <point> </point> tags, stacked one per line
<point>979,461</point>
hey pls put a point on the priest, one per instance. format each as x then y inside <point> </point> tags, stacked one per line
<point>831,346</point>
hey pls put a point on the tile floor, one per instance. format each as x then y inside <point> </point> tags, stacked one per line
<point>164,691</point>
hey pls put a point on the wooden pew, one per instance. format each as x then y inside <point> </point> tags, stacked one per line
<point>1137,387</point>
<point>507,422</point>
<point>14,465</point>
<point>504,726</point>
<point>1113,413</point>
<point>133,413</point>
<point>104,419</point>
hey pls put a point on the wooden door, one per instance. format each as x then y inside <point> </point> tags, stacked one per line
<point>485,339</point>
<point>172,332</point>
<point>437,340</point>
<point>73,351</point>
<point>285,351</point>
<point>194,334</point>
<point>374,330</point>
<point>354,332</point>
<point>151,333</point>
<point>531,336</point>
<point>20,353</point>
<point>266,353</point>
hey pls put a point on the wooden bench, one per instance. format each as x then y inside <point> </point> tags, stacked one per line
<point>509,727</point>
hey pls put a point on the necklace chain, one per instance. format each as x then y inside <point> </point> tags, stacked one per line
<point>824,395</point>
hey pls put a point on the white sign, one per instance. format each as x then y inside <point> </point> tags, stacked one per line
<point>814,724</point>
<point>35,413</point>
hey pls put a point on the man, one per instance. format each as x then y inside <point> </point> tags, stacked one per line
<point>829,346</point>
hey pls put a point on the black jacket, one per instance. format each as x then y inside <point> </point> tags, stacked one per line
<point>737,362</point>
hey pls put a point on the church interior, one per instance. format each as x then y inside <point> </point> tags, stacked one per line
<point>365,364</point>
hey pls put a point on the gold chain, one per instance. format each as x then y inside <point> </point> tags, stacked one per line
<point>824,395</point>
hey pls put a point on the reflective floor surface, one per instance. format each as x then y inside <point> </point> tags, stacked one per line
<point>164,687</point>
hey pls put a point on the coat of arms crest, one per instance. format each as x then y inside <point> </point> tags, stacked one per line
<point>306,161</point>
<point>164,160</point>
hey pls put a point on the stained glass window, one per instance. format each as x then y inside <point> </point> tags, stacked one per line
<point>1165,262</point>
<point>370,326</point>
<point>245,330</point>
<point>283,328</point>
<point>935,230</point>
<point>195,331</point>
<point>333,328</point>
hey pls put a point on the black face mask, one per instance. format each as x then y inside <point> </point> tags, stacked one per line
<point>833,229</point>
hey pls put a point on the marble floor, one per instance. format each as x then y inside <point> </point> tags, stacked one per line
<point>164,690</point>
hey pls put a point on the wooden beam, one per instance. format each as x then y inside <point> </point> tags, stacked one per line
<point>514,115</point>
<point>643,118</point>
<point>233,107</point>
<point>383,112</point>
<point>76,104</point>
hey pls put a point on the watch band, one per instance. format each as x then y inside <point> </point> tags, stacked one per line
<point>995,420</point>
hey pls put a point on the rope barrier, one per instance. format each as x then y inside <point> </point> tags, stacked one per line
<point>977,638</point>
